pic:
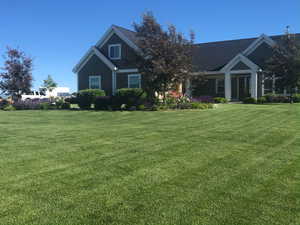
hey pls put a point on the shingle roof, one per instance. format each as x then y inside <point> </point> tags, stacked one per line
<point>131,35</point>
<point>212,56</point>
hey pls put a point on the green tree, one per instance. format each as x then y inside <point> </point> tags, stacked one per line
<point>16,78</point>
<point>284,64</point>
<point>49,84</point>
<point>165,57</point>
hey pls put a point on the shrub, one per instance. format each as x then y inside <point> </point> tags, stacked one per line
<point>132,108</point>
<point>59,103</point>
<point>274,98</point>
<point>141,107</point>
<point>205,99</point>
<point>85,98</point>
<point>282,99</point>
<point>9,108</point>
<point>46,106</point>
<point>71,100</point>
<point>261,100</point>
<point>198,105</point>
<point>29,104</point>
<point>270,97</point>
<point>296,98</point>
<point>3,103</point>
<point>129,97</point>
<point>177,102</point>
<point>249,100</point>
<point>220,100</point>
<point>154,107</point>
<point>66,105</point>
<point>210,105</point>
<point>185,105</point>
<point>103,103</point>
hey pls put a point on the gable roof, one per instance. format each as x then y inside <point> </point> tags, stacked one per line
<point>126,35</point>
<point>131,35</point>
<point>213,56</point>
<point>237,59</point>
<point>93,51</point>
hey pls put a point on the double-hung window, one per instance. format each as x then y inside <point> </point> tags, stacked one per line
<point>95,82</point>
<point>114,51</point>
<point>134,81</point>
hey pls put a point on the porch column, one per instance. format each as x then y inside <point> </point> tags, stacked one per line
<point>188,88</point>
<point>228,86</point>
<point>254,85</point>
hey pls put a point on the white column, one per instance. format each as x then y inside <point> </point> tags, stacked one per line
<point>188,88</point>
<point>227,86</point>
<point>254,85</point>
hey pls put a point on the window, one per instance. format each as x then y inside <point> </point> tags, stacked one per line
<point>134,81</point>
<point>114,51</point>
<point>220,84</point>
<point>95,82</point>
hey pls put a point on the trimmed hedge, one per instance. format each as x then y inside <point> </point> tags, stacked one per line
<point>249,100</point>
<point>103,103</point>
<point>296,98</point>
<point>275,98</point>
<point>220,100</point>
<point>3,103</point>
<point>129,97</point>
<point>261,100</point>
<point>87,97</point>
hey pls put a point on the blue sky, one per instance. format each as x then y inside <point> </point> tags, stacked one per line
<point>56,33</point>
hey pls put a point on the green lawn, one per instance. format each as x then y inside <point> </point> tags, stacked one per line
<point>238,164</point>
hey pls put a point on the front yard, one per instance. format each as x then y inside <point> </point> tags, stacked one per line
<point>238,164</point>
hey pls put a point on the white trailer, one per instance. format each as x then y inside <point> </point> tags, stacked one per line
<point>42,93</point>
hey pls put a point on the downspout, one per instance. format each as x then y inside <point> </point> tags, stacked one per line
<point>114,80</point>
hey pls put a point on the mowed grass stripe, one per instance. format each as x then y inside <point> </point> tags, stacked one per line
<point>182,168</point>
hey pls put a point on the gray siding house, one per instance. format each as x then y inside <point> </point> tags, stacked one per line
<point>232,68</point>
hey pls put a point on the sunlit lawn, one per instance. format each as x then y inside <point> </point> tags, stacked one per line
<point>237,164</point>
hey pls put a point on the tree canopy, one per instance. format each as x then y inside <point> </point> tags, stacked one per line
<point>284,64</point>
<point>49,84</point>
<point>165,57</point>
<point>16,78</point>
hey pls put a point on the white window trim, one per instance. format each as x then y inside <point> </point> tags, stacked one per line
<point>91,77</point>
<point>134,75</point>
<point>115,45</point>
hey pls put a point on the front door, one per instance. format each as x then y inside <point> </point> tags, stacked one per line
<point>243,87</point>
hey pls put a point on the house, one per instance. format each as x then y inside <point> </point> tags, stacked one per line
<point>233,68</point>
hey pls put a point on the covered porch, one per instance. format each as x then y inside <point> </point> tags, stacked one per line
<point>239,79</point>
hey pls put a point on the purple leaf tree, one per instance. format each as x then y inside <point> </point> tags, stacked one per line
<point>16,75</point>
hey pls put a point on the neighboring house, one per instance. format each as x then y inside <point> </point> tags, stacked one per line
<point>232,68</point>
